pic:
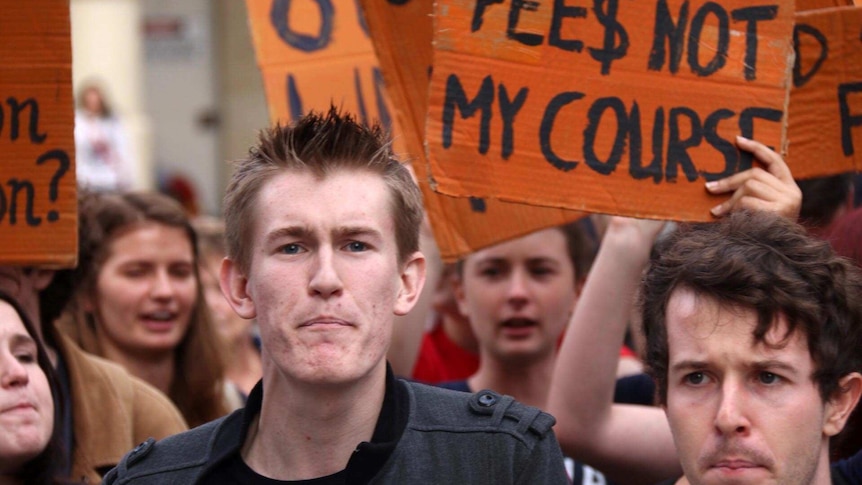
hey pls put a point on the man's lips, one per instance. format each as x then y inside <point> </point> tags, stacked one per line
<point>736,464</point>
<point>325,322</point>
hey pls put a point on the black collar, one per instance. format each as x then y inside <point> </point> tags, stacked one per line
<point>368,457</point>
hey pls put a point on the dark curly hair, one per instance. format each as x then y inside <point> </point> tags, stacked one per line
<point>766,263</point>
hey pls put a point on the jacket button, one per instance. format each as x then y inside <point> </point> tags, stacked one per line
<point>487,400</point>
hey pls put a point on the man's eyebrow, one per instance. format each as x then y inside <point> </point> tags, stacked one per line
<point>685,365</point>
<point>354,231</point>
<point>774,364</point>
<point>299,232</point>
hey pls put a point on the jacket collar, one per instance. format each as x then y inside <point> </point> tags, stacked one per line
<point>365,462</point>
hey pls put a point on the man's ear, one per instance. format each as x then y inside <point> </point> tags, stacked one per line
<point>842,403</point>
<point>233,285</point>
<point>412,281</point>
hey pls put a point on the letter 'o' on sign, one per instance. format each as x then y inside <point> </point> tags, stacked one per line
<point>279,16</point>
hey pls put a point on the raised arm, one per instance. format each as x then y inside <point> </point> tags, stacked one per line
<point>630,444</point>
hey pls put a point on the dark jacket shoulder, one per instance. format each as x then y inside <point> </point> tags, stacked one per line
<point>178,458</point>
<point>483,411</point>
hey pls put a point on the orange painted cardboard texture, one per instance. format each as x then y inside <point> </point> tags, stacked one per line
<point>38,200</point>
<point>607,106</point>
<point>312,54</point>
<point>825,114</point>
<point>402,35</point>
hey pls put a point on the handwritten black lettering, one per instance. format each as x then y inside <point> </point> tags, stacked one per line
<point>746,129</point>
<point>848,120</point>
<point>801,78</point>
<point>677,147</point>
<point>611,50</point>
<point>455,96</point>
<point>726,148</point>
<point>752,15</point>
<point>279,16</point>
<point>563,11</point>
<point>508,109</point>
<point>557,103</point>
<point>719,57</point>
<point>594,119</point>
<point>665,28</point>
<point>16,107</point>
<point>479,11</point>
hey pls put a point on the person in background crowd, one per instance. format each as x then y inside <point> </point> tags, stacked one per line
<point>30,438</point>
<point>102,157</point>
<point>140,302</point>
<point>105,410</point>
<point>242,358</point>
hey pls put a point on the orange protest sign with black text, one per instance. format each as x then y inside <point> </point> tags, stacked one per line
<point>606,106</point>
<point>402,35</point>
<point>38,200</point>
<point>313,54</point>
<point>825,114</point>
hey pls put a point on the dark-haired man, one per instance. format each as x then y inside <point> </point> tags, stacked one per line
<point>322,229</point>
<point>753,332</point>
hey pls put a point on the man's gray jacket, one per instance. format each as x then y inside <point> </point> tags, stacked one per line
<point>448,438</point>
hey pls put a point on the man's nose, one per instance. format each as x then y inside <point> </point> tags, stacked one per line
<point>325,280</point>
<point>732,414</point>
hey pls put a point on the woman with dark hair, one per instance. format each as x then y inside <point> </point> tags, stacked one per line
<point>140,303</point>
<point>30,450</point>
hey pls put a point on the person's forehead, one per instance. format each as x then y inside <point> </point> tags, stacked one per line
<point>10,321</point>
<point>148,239</point>
<point>697,324</point>
<point>547,244</point>
<point>342,196</point>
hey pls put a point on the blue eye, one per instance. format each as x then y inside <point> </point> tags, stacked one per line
<point>356,246</point>
<point>695,378</point>
<point>768,378</point>
<point>291,249</point>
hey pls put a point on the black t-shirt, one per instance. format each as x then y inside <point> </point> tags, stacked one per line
<point>364,463</point>
<point>235,471</point>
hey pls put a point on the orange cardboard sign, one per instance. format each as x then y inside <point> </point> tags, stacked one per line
<point>803,5</point>
<point>315,53</point>
<point>603,106</point>
<point>825,113</point>
<point>38,200</point>
<point>402,34</point>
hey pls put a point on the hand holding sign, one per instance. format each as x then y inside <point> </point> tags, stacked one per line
<point>772,189</point>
